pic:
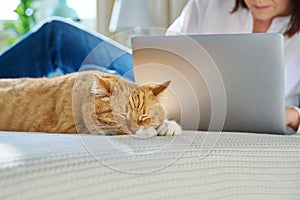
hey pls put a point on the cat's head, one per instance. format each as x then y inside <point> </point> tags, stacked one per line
<point>144,109</point>
<point>133,107</point>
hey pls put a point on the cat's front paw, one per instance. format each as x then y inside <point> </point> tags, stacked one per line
<point>169,128</point>
<point>148,132</point>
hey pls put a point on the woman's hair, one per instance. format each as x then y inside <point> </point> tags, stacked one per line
<point>294,24</point>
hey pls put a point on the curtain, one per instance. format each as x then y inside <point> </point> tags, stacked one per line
<point>164,12</point>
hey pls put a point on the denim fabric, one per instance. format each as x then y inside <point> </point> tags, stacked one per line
<point>60,46</point>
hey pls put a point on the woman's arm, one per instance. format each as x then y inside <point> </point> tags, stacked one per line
<point>292,117</point>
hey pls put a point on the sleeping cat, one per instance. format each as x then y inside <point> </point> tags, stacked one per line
<point>83,102</point>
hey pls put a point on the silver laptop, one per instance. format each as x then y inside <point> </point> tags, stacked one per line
<point>232,82</point>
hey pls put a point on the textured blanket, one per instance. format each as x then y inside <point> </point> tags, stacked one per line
<point>195,165</point>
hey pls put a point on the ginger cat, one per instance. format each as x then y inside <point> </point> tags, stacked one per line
<point>83,102</point>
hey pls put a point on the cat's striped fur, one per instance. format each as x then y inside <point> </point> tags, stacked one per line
<point>83,102</point>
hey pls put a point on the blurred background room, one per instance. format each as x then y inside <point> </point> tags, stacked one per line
<point>117,19</point>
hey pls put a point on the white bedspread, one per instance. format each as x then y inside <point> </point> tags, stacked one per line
<point>191,166</point>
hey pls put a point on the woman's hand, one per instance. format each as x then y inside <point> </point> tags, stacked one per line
<point>292,118</point>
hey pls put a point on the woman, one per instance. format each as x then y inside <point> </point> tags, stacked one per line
<point>252,16</point>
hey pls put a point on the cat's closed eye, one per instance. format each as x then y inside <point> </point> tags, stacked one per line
<point>144,120</point>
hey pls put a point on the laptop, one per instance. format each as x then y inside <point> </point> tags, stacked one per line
<point>230,82</point>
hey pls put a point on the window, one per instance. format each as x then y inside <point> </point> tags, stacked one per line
<point>85,9</point>
<point>7,10</point>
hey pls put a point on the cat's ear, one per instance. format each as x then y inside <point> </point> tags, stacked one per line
<point>102,83</point>
<point>156,90</point>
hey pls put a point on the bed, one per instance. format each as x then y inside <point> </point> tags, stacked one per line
<point>194,165</point>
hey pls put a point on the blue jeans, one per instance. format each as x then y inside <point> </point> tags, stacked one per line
<point>58,46</point>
